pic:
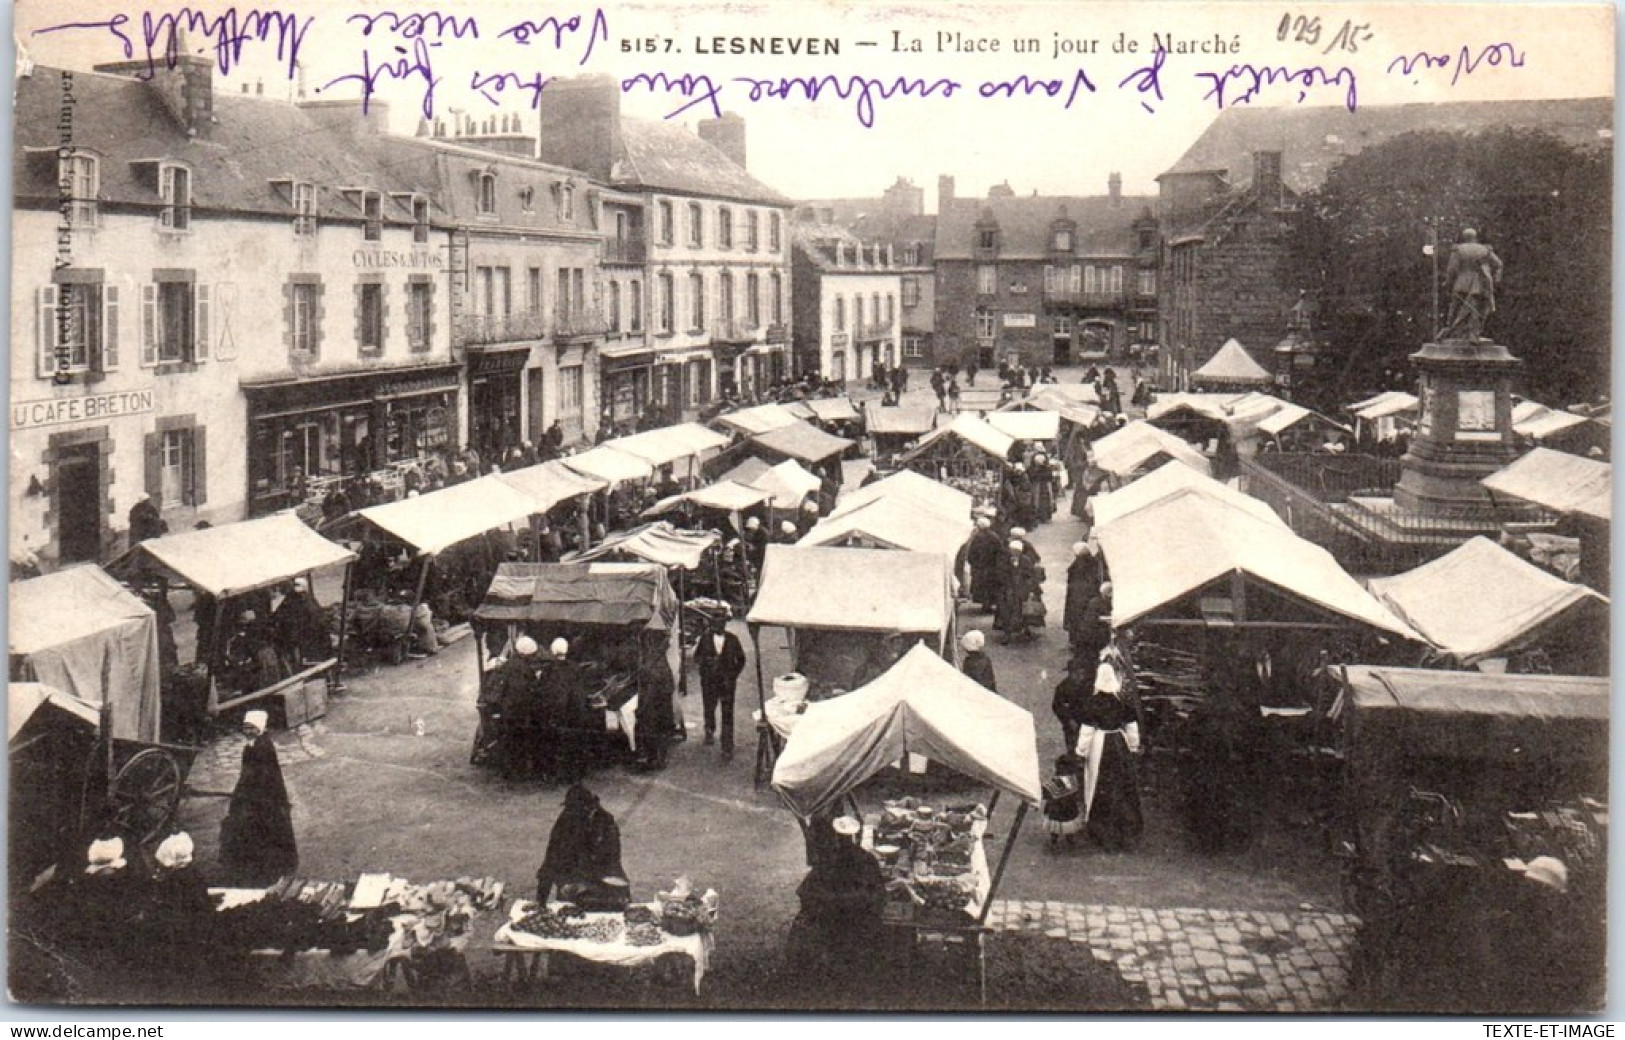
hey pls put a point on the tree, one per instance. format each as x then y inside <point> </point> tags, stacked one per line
<point>1546,208</point>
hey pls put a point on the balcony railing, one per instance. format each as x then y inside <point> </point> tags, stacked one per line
<point>733,330</point>
<point>479,329</point>
<point>579,324</point>
<point>629,250</point>
<point>1086,299</point>
<point>868,332</point>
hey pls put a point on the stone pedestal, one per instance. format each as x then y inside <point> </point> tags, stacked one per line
<point>1464,432</point>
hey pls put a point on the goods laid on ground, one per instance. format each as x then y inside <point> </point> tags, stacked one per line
<point>933,858</point>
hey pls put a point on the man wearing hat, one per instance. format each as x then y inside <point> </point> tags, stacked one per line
<point>976,664</point>
<point>257,844</point>
<point>719,658</point>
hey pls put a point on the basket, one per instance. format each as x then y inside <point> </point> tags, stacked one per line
<point>684,919</point>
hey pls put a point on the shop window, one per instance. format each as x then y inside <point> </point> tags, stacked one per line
<point>77,327</point>
<point>304,208</point>
<point>570,392</point>
<point>667,304</point>
<point>419,315</point>
<point>420,220</point>
<point>175,188</point>
<point>174,322</point>
<point>81,176</point>
<point>370,317</point>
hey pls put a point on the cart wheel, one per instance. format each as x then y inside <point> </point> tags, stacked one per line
<point>144,795</point>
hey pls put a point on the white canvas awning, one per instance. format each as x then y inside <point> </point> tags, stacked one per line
<point>1558,481</point>
<point>610,465</point>
<point>802,441</point>
<point>725,495</point>
<point>899,421</point>
<point>440,519</point>
<point>1175,547</point>
<point>1232,364</point>
<point>1125,451</point>
<point>893,522</point>
<point>1538,422</point>
<point>548,484</point>
<point>922,705</point>
<point>26,698</point>
<point>833,409</point>
<point>867,590</point>
<point>970,429</point>
<point>666,445</point>
<point>1027,425</point>
<point>759,419</point>
<point>1168,480</point>
<point>788,483</point>
<point>1389,402</point>
<point>1479,600</point>
<point>913,487</point>
<point>251,554</point>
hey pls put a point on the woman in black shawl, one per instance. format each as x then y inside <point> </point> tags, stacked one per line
<point>657,715</point>
<point>1108,737</point>
<point>583,855</point>
<point>257,844</point>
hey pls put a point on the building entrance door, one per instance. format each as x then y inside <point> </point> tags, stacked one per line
<point>1063,350</point>
<point>79,503</point>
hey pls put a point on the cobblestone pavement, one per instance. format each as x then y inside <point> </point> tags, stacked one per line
<point>1204,960</point>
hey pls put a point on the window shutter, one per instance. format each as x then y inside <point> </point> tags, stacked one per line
<point>109,328</point>
<point>153,462</point>
<point>200,349</point>
<point>198,474</point>
<point>46,361</point>
<point>149,325</point>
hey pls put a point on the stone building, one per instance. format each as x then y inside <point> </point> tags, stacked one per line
<point>844,311</point>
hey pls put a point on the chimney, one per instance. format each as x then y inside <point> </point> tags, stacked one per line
<point>1267,175</point>
<point>581,124</point>
<point>186,87</point>
<point>1114,188</point>
<point>945,193</point>
<point>727,135</point>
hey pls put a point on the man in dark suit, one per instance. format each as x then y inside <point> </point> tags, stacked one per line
<point>720,658</point>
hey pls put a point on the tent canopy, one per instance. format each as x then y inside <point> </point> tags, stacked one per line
<point>1077,393</point>
<point>67,625</point>
<point>670,443</point>
<point>1171,479</point>
<point>1232,364</point>
<point>913,487</point>
<point>1125,451</point>
<point>1479,600</point>
<point>1535,719</point>
<point>970,429</point>
<point>1027,425</point>
<point>787,482</point>
<point>1389,402</point>
<point>581,594</point>
<point>899,421</point>
<point>610,465</point>
<point>1536,421</point>
<point>656,543</point>
<point>803,441</point>
<point>1558,481</point>
<point>868,590</point>
<point>833,409</point>
<point>760,419</point>
<point>549,483</point>
<point>726,495</point>
<point>1175,547</point>
<point>1045,399</point>
<point>434,522</point>
<point>894,522</point>
<point>251,554</point>
<point>26,698</point>
<point>921,705</point>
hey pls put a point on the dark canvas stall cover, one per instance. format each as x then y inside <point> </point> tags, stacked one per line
<point>582,594</point>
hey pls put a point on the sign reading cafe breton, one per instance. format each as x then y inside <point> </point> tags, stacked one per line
<point>54,412</point>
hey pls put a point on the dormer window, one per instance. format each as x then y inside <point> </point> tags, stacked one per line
<point>420,220</point>
<point>1063,240</point>
<point>175,188</point>
<point>79,179</point>
<point>987,239</point>
<point>485,202</point>
<point>372,216</point>
<point>304,208</point>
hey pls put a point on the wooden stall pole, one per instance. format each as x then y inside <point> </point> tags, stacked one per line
<point>217,655</point>
<point>756,647</point>
<point>682,643</point>
<point>336,681</point>
<point>1004,859</point>
<point>417,594</point>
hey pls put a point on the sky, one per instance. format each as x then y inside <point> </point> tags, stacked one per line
<point>965,103</point>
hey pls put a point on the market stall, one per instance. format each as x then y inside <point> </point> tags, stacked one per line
<point>891,429</point>
<point>1459,783</point>
<point>1479,605</point>
<point>1042,427</point>
<point>1294,428</point>
<point>923,492</point>
<point>234,569</point>
<point>893,522</point>
<point>802,442</point>
<point>967,454</point>
<point>788,483</point>
<point>1139,447</point>
<point>553,488</point>
<point>701,565</point>
<point>938,879</point>
<point>618,619</point>
<point>1231,367</point>
<point>52,739</point>
<point>1384,416</point>
<point>683,447</point>
<point>759,419</point>
<point>1167,481</point>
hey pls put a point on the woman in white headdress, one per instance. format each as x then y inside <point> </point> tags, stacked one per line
<point>1108,740</point>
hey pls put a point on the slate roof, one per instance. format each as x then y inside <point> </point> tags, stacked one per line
<point>668,157</point>
<point>254,142</point>
<point>445,171</point>
<point>1104,228</point>
<point>1314,139</point>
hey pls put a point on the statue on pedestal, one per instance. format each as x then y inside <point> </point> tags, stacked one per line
<point>1472,274</point>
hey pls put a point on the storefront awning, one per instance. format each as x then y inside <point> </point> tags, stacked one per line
<point>433,522</point>
<point>548,484</point>
<point>609,465</point>
<point>802,441</point>
<point>232,559</point>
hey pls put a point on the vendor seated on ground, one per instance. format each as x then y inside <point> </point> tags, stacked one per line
<point>842,895</point>
<point>583,862</point>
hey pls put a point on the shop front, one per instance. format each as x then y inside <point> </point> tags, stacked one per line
<point>308,436</point>
<point>626,384</point>
<point>495,396</point>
